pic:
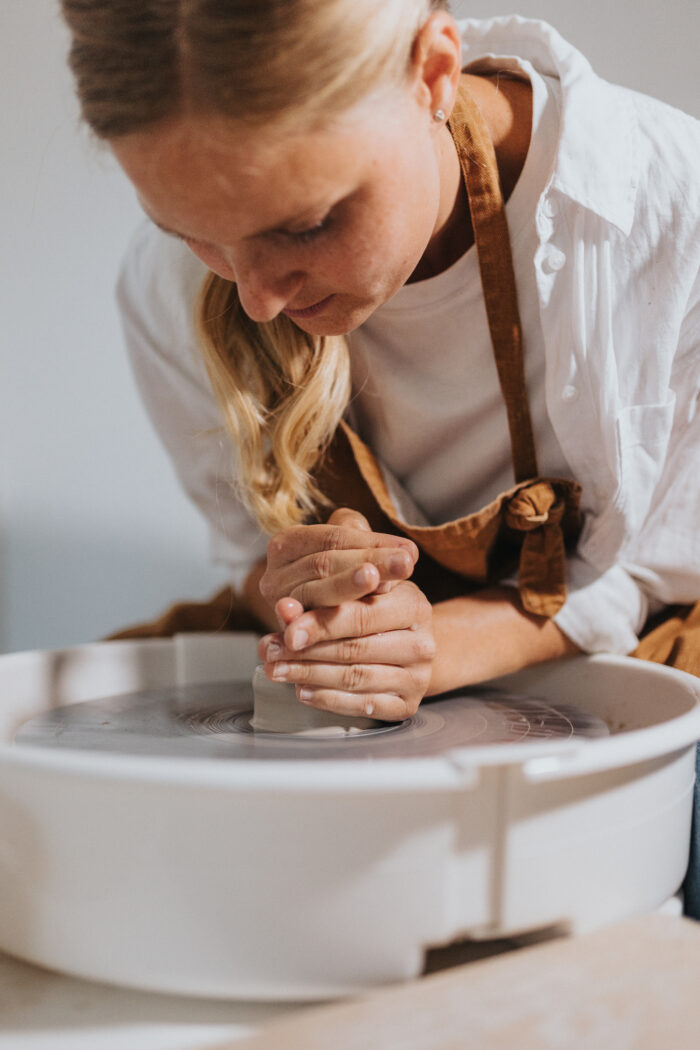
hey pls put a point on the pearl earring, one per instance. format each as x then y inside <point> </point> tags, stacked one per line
<point>439,116</point>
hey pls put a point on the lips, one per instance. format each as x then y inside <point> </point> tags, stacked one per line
<point>308,311</point>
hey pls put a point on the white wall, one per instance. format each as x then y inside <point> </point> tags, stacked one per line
<point>94,532</point>
<point>647,45</point>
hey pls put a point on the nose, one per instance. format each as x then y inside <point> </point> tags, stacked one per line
<point>265,285</point>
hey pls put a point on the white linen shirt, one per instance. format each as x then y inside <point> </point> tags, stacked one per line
<point>616,269</point>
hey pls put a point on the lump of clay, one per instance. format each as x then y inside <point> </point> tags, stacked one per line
<point>277,710</point>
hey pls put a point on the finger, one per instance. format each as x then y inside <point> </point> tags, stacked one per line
<point>386,707</point>
<point>347,587</point>
<point>348,678</point>
<point>300,540</point>
<point>355,582</point>
<point>403,648</point>
<point>325,578</point>
<point>357,619</point>
<point>349,518</point>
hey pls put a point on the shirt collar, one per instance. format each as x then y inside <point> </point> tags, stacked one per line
<point>596,154</point>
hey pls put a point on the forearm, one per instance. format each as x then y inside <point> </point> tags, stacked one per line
<point>488,633</point>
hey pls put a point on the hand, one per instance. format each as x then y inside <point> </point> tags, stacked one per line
<point>369,656</point>
<point>326,565</point>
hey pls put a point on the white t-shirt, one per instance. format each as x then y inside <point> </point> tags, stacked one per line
<point>609,289</point>
<point>426,395</point>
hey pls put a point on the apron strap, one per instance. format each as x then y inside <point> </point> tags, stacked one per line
<point>477,158</point>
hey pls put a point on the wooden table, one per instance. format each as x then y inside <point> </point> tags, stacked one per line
<point>632,986</point>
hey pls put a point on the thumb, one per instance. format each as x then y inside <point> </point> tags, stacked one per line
<point>287,610</point>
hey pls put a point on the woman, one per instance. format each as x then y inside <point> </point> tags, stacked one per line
<point>331,163</point>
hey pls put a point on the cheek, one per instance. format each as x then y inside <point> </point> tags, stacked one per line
<point>386,250</point>
<point>402,218</point>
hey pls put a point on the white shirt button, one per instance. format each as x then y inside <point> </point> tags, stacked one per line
<point>569,394</point>
<point>554,260</point>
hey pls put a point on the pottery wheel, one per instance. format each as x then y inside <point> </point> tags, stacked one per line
<point>214,721</point>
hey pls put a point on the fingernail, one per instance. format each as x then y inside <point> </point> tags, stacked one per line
<point>397,565</point>
<point>274,650</point>
<point>300,639</point>
<point>306,694</point>
<point>369,707</point>
<point>360,577</point>
<point>413,627</point>
<point>280,670</point>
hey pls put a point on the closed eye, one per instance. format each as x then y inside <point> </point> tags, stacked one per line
<point>309,234</point>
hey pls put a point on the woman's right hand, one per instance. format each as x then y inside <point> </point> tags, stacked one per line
<point>326,565</point>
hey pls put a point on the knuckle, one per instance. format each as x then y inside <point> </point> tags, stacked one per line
<point>277,545</point>
<point>276,542</point>
<point>333,538</point>
<point>411,705</point>
<point>322,564</point>
<point>419,680</point>
<point>363,618</point>
<point>425,647</point>
<point>302,672</point>
<point>282,545</point>
<point>351,650</point>
<point>421,605</point>
<point>353,677</point>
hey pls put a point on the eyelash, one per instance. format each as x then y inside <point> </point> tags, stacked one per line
<point>306,236</point>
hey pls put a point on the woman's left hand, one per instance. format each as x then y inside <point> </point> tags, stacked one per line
<point>370,657</point>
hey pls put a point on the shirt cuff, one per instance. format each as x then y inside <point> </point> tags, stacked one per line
<point>603,612</point>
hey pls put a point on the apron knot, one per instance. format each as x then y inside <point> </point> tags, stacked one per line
<point>537,511</point>
<point>534,506</point>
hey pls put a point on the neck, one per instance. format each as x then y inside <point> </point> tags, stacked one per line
<point>506,105</point>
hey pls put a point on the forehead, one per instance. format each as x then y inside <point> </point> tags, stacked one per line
<point>192,172</point>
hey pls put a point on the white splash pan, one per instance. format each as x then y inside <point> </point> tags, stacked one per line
<point>305,879</point>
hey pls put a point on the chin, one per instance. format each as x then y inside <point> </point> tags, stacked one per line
<point>342,323</point>
<point>325,326</point>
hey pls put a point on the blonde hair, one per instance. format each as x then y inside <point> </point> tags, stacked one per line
<point>272,63</point>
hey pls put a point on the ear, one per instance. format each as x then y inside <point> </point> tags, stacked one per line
<point>436,63</point>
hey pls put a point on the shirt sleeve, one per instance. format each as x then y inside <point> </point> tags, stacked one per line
<point>156,294</point>
<point>603,612</point>
<point>661,564</point>
<point>665,556</point>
